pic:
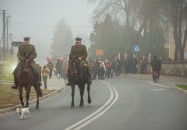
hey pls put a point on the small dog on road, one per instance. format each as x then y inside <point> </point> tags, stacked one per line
<point>24,112</point>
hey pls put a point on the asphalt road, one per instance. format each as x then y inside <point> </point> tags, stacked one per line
<point>117,104</point>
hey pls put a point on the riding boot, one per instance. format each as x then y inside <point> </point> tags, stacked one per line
<point>68,74</point>
<point>15,85</point>
<point>68,84</point>
<point>89,78</point>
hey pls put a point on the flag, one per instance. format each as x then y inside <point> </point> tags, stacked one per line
<point>149,58</point>
<point>118,57</point>
<point>125,56</point>
<point>115,58</point>
<point>47,58</point>
<point>134,55</point>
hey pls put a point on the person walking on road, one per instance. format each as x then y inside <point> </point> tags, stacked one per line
<point>50,66</point>
<point>45,73</point>
<point>58,68</point>
<point>156,66</point>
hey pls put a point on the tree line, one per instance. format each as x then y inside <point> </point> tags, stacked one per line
<point>122,24</point>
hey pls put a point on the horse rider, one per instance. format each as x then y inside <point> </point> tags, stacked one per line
<point>79,50</point>
<point>27,52</point>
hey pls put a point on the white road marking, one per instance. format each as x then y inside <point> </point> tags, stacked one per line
<point>158,84</point>
<point>99,112</point>
<point>157,89</point>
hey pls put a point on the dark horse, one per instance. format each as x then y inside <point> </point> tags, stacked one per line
<point>25,78</point>
<point>79,76</point>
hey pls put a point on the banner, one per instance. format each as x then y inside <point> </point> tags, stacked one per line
<point>99,52</point>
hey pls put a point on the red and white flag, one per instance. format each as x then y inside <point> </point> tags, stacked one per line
<point>47,58</point>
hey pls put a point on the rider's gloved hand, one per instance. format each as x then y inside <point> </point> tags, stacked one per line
<point>79,58</point>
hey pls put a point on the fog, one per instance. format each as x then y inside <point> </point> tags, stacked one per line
<point>38,19</point>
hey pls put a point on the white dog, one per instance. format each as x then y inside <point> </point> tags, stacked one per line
<point>24,112</point>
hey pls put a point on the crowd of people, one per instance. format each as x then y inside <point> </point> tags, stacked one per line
<point>99,69</point>
<point>115,67</point>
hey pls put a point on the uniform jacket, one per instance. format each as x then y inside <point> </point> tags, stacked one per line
<point>78,51</point>
<point>26,51</point>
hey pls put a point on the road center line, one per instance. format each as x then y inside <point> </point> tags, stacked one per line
<point>113,98</point>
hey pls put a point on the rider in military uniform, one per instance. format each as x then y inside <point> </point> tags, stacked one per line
<point>79,50</point>
<point>27,51</point>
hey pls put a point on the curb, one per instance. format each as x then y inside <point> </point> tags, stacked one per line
<point>173,86</point>
<point>180,89</point>
<point>10,109</point>
<point>6,82</point>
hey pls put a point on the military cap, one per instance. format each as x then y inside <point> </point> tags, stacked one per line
<point>26,38</point>
<point>78,39</point>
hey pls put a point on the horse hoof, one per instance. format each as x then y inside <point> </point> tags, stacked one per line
<point>89,101</point>
<point>72,106</point>
<point>37,107</point>
<point>81,104</point>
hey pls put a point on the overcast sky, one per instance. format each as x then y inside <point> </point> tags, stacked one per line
<point>38,19</point>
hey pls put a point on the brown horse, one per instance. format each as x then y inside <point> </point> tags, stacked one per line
<point>78,76</point>
<point>25,78</point>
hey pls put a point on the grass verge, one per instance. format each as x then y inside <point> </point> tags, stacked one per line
<point>182,86</point>
<point>10,97</point>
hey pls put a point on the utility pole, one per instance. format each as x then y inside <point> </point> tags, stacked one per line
<point>4,35</point>
<point>7,35</point>
<point>11,50</point>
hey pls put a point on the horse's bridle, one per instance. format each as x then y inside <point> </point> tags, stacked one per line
<point>76,68</point>
<point>25,66</point>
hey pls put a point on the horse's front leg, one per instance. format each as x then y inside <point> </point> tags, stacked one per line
<point>88,90</point>
<point>20,95</point>
<point>72,95</point>
<point>28,95</point>
<point>81,87</point>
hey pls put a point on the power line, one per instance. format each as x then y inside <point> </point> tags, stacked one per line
<point>39,24</point>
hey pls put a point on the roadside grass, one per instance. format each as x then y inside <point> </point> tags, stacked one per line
<point>6,91</point>
<point>10,97</point>
<point>183,86</point>
<point>8,77</point>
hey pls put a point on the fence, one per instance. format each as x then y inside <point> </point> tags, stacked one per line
<point>171,68</point>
